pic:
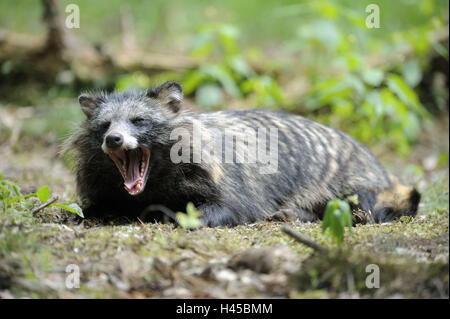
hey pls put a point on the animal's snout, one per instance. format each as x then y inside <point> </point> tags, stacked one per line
<point>114,140</point>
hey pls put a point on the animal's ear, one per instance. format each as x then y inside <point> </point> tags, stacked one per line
<point>169,94</point>
<point>88,104</point>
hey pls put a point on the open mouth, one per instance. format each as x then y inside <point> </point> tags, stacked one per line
<point>133,166</point>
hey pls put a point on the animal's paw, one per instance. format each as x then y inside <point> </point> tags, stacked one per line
<point>360,216</point>
<point>284,215</point>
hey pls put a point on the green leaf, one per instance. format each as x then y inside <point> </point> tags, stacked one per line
<point>209,96</point>
<point>327,218</point>
<point>228,34</point>
<point>193,80</point>
<point>10,200</point>
<point>73,208</point>
<point>190,220</point>
<point>443,158</point>
<point>411,72</point>
<point>133,80</point>
<point>355,83</point>
<point>353,199</point>
<point>239,65</point>
<point>373,77</point>
<point>11,186</point>
<point>337,217</point>
<point>202,45</point>
<point>192,211</point>
<point>223,75</point>
<point>403,91</point>
<point>336,226</point>
<point>5,191</point>
<point>43,194</point>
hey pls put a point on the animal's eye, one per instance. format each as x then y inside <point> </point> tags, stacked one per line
<point>104,126</point>
<point>138,120</point>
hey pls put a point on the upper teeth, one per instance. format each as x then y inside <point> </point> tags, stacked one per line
<point>142,165</point>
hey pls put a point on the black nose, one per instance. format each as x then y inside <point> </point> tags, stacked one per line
<point>114,140</point>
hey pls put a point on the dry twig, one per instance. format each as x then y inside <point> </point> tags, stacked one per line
<point>303,239</point>
<point>47,203</point>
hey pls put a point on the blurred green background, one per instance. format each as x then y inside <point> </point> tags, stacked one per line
<point>315,58</point>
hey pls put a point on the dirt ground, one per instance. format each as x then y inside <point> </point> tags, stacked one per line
<point>137,260</point>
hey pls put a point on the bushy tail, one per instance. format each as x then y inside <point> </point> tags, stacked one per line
<point>398,201</point>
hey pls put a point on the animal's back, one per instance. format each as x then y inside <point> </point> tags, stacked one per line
<point>315,163</point>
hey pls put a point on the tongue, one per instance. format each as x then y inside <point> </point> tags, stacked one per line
<point>133,170</point>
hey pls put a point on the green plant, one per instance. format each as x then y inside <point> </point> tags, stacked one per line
<point>337,217</point>
<point>190,219</point>
<point>372,106</point>
<point>11,199</point>
<point>133,80</point>
<point>44,195</point>
<point>227,71</point>
<point>361,79</point>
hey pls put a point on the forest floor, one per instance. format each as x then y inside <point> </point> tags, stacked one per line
<point>137,260</point>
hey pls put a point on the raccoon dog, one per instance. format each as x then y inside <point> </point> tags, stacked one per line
<point>129,155</point>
